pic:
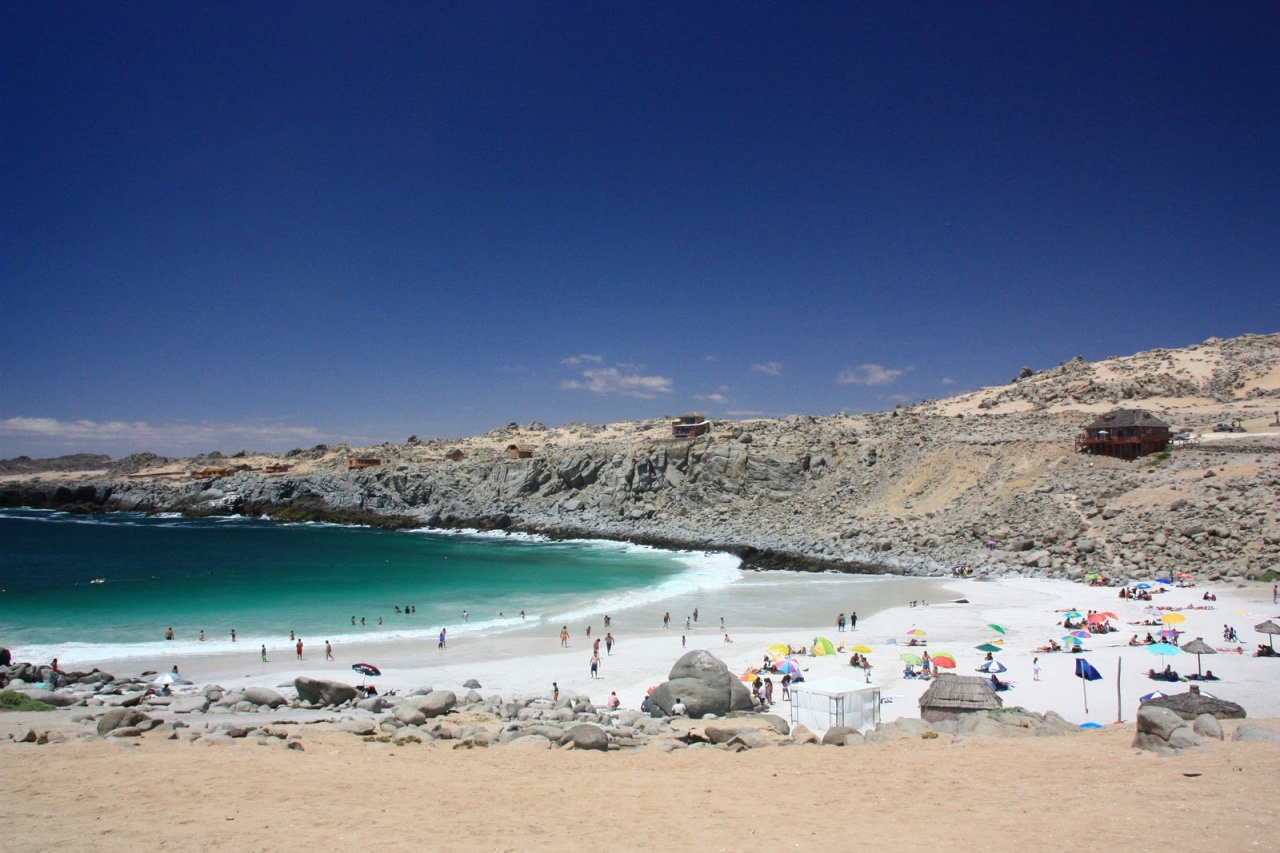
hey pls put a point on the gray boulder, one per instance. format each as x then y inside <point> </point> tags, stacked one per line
<point>836,735</point>
<point>1163,732</point>
<point>320,692</point>
<point>49,697</point>
<point>189,705</point>
<point>118,718</point>
<point>587,736</point>
<point>1207,725</point>
<point>704,684</point>
<point>1249,731</point>
<point>263,696</point>
<point>436,703</point>
<point>471,684</point>
<point>409,715</point>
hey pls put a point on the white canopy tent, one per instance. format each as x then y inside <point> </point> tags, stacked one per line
<point>818,705</point>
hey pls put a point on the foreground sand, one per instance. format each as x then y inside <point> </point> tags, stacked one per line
<point>1030,794</point>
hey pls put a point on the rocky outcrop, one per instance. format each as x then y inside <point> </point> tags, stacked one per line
<point>704,684</point>
<point>321,693</point>
<point>1163,732</point>
<point>988,480</point>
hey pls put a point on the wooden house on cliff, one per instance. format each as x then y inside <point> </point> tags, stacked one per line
<point>519,451</point>
<point>1124,434</point>
<point>690,425</point>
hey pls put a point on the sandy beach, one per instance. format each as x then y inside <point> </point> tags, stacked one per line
<point>1022,794</point>
<point>794,608</point>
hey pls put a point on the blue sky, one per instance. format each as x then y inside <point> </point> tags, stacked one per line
<point>246,225</point>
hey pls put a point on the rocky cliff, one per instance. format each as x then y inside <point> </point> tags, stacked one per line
<point>988,479</point>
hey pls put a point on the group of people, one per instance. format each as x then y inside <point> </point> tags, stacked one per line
<point>851,622</point>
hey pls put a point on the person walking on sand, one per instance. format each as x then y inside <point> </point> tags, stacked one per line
<point>695,614</point>
<point>328,650</point>
<point>564,636</point>
<point>555,692</point>
<point>595,664</point>
<point>299,648</point>
<point>595,646</point>
<point>1035,669</point>
<point>786,687</point>
<point>853,620</point>
<point>666,620</point>
<point>683,642</point>
<point>866,668</point>
<point>443,637</point>
<point>264,652</point>
<point>608,643</point>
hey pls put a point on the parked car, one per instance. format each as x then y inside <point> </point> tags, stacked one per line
<point>1232,427</point>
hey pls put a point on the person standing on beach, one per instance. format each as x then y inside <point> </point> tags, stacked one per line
<point>233,635</point>
<point>695,614</point>
<point>666,620</point>
<point>721,623</point>
<point>607,620</point>
<point>555,692</point>
<point>786,687</point>
<point>465,617</point>
<point>299,647</point>
<point>595,647</point>
<point>564,636</point>
<point>608,643</point>
<point>595,664</point>
<point>1035,669</point>
<point>328,650</point>
<point>264,652</point>
<point>443,632</point>
<point>853,620</point>
<point>683,643</point>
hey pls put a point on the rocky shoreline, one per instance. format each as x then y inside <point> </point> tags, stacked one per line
<point>990,480</point>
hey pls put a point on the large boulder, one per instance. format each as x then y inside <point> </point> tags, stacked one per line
<point>317,691</point>
<point>119,718</point>
<point>704,684</point>
<point>49,697</point>
<point>1163,732</point>
<point>587,736</point>
<point>1248,731</point>
<point>189,705</point>
<point>436,703</point>
<point>263,696</point>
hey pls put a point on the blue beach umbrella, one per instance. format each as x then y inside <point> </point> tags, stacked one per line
<point>1165,581</point>
<point>1164,649</point>
<point>1143,586</point>
<point>1154,694</point>
<point>992,666</point>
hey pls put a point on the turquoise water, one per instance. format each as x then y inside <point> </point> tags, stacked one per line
<point>266,579</point>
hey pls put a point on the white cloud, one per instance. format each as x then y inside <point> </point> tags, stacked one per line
<point>769,368</point>
<point>871,374</point>
<point>575,360</point>
<point>140,434</point>
<point>614,380</point>
<point>947,380</point>
<point>709,358</point>
<point>718,399</point>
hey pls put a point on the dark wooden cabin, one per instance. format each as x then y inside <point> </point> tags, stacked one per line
<point>519,451</point>
<point>691,425</point>
<point>1124,434</point>
<point>455,455</point>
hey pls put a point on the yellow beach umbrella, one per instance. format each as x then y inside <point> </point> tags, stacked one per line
<point>1173,618</point>
<point>777,651</point>
<point>862,650</point>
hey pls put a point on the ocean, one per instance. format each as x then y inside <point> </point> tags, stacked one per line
<point>94,588</point>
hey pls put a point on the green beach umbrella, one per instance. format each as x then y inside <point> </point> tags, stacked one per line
<point>995,627</point>
<point>912,659</point>
<point>987,647</point>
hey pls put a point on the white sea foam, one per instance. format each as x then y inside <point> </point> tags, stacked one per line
<point>707,572</point>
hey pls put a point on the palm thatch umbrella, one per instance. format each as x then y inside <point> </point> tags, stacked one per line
<point>1271,628</point>
<point>1198,647</point>
<point>951,695</point>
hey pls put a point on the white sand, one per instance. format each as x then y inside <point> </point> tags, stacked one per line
<point>794,608</point>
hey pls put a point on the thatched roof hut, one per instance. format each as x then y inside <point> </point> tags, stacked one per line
<point>1193,703</point>
<point>951,695</point>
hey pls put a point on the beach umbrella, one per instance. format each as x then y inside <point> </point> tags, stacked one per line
<point>915,632</point>
<point>1095,618</point>
<point>1152,611</point>
<point>1183,575</point>
<point>1073,614</point>
<point>1167,634</point>
<point>777,651</point>
<point>1270,628</point>
<point>1198,647</point>
<point>1084,635</point>
<point>1173,618</point>
<point>1164,580</point>
<point>992,666</point>
<point>995,628</point>
<point>1074,641</point>
<point>823,646</point>
<point>1164,649</point>
<point>987,647</point>
<point>750,675</point>
<point>943,660</point>
<point>789,666</point>
<point>1154,694</point>
<point>862,650</point>
<point>366,669</point>
<point>1086,673</point>
<point>911,658</point>
<point>170,678</point>
<point>1142,586</point>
